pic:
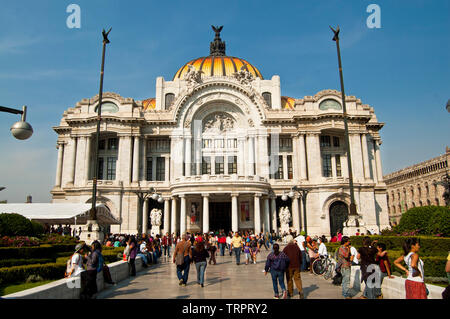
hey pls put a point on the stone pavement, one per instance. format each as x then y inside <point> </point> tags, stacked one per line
<point>226,280</point>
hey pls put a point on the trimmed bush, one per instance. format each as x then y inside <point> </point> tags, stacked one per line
<point>47,251</point>
<point>434,266</point>
<point>19,274</point>
<point>20,262</point>
<point>429,246</point>
<point>38,228</point>
<point>426,220</point>
<point>15,225</point>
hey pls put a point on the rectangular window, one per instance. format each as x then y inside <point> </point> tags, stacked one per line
<point>326,165</point>
<point>112,143</point>
<point>289,167</point>
<point>279,174</point>
<point>219,143</point>
<point>160,168</point>
<point>325,141</point>
<point>336,141</point>
<point>206,143</point>
<point>101,144</point>
<point>338,166</point>
<point>219,165</point>
<point>111,168</point>
<point>149,169</point>
<point>100,168</point>
<point>286,144</point>
<point>232,164</point>
<point>232,143</point>
<point>206,165</point>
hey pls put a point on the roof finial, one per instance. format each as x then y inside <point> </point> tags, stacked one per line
<point>218,46</point>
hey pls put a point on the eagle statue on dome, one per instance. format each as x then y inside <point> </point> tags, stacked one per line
<point>217,30</point>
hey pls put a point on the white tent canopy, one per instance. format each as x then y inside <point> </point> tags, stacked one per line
<point>60,213</point>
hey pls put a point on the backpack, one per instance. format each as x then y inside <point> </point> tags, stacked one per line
<point>101,260</point>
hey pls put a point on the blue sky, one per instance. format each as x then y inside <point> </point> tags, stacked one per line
<point>401,69</point>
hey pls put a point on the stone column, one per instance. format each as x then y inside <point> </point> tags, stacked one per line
<point>136,160</point>
<point>333,166</point>
<point>356,154</point>
<point>241,157</point>
<point>314,160</point>
<point>187,159</point>
<point>234,212</point>
<point>378,160</point>
<point>274,214</point>
<point>154,158</point>
<point>205,213</point>
<point>266,215</point>
<point>173,218</point>
<point>257,214</point>
<point>251,156</point>
<point>166,215</point>
<point>166,168</point>
<point>72,160</point>
<point>145,217</point>
<point>59,165</point>
<point>87,159</point>
<point>262,157</point>
<point>295,161</point>
<point>365,152</point>
<point>285,168</point>
<point>144,159</point>
<point>183,214</point>
<point>303,173</point>
<point>213,165</point>
<point>295,214</point>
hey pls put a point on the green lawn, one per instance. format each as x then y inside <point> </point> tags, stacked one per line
<point>10,289</point>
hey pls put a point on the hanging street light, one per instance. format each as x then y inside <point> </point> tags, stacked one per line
<point>21,130</point>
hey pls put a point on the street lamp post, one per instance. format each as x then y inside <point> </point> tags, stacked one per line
<point>20,130</point>
<point>142,197</point>
<point>93,212</point>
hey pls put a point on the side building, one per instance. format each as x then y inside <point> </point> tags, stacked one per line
<point>416,185</point>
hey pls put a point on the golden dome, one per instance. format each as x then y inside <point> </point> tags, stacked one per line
<point>287,102</point>
<point>218,66</point>
<point>149,104</point>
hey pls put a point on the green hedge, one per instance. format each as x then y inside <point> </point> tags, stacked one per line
<point>43,251</point>
<point>426,220</point>
<point>434,266</point>
<point>19,274</point>
<point>20,262</point>
<point>429,246</point>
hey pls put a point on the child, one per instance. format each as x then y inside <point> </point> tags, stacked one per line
<point>247,252</point>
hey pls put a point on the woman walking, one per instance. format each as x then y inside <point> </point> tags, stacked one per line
<point>366,255</point>
<point>277,263</point>
<point>132,248</point>
<point>212,247</point>
<point>199,256</point>
<point>385,266</point>
<point>414,284</point>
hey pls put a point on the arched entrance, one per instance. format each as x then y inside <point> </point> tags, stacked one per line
<point>338,215</point>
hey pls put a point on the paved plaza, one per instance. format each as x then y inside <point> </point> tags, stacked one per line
<point>226,280</point>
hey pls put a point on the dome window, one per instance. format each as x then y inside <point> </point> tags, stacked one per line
<point>330,104</point>
<point>268,98</point>
<point>170,97</point>
<point>108,107</point>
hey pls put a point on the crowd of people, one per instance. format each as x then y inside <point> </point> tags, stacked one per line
<point>297,256</point>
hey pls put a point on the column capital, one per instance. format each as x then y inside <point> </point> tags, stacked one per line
<point>182,195</point>
<point>234,194</point>
<point>258,194</point>
<point>205,194</point>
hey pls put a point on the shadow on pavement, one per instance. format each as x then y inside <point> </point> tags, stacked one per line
<point>309,289</point>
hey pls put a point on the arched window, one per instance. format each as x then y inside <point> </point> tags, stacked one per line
<point>268,98</point>
<point>108,107</point>
<point>170,97</point>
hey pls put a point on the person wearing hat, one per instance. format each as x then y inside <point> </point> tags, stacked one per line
<point>75,266</point>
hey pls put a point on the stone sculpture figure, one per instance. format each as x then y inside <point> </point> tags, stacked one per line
<point>285,218</point>
<point>192,76</point>
<point>155,218</point>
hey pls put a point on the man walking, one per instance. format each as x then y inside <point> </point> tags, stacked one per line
<point>167,243</point>
<point>222,242</point>
<point>344,263</point>
<point>302,245</point>
<point>236,244</point>
<point>293,272</point>
<point>184,253</point>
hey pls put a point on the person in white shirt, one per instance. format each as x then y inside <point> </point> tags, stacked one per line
<point>75,267</point>
<point>228,241</point>
<point>354,254</point>
<point>301,244</point>
<point>322,248</point>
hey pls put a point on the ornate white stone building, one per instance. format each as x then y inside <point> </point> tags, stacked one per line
<point>221,145</point>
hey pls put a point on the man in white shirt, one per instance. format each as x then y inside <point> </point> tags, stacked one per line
<point>301,244</point>
<point>322,249</point>
<point>354,254</point>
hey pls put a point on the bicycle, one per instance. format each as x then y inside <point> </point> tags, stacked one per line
<point>323,266</point>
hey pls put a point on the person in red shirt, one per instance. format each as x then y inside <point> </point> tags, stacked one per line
<point>167,243</point>
<point>385,266</point>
